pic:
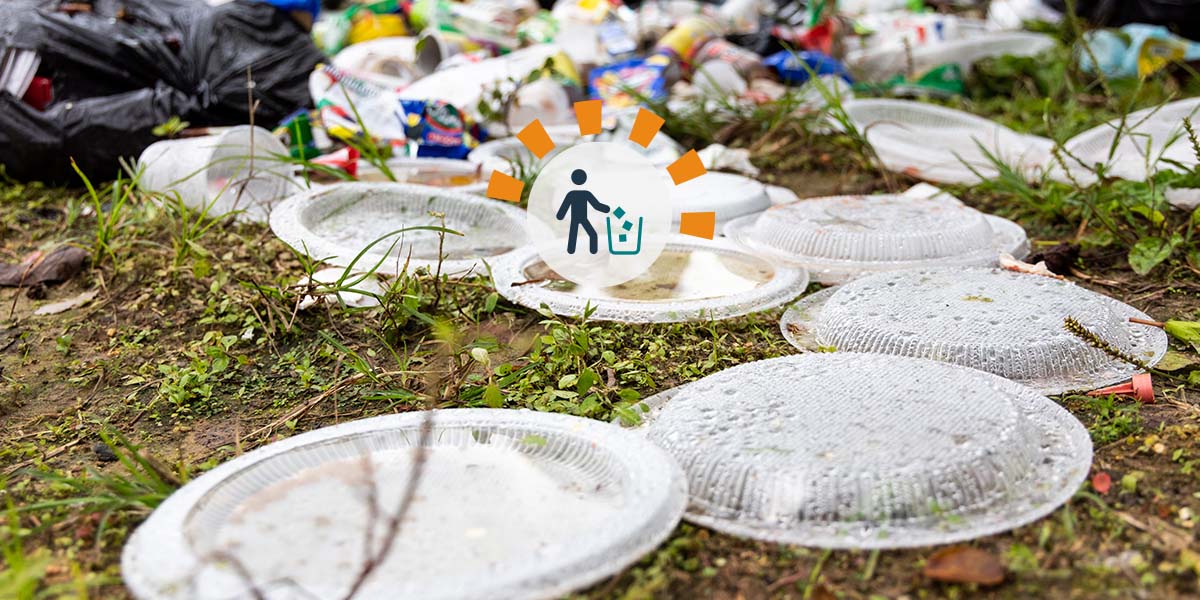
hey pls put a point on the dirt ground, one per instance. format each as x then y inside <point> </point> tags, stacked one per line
<point>181,353</point>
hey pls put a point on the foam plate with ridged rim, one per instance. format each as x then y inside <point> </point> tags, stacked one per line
<point>842,237</point>
<point>849,450</point>
<point>335,223</point>
<point>944,145</point>
<point>512,504</point>
<point>995,320</point>
<point>1150,140</point>
<point>693,279</point>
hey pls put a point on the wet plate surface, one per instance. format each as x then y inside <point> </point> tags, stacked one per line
<point>512,504</point>
<point>1006,323</point>
<point>842,237</point>
<point>338,222</point>
<point>692,279</point>
<point>850,450</point>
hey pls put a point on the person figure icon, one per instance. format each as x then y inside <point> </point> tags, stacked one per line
<point>577,201</point>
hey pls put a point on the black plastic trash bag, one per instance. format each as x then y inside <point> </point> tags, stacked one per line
<point>130,65</point>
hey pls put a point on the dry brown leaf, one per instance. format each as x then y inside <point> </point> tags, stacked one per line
<point>962,564</point>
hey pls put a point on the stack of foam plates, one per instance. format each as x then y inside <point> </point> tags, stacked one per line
<point>882,63</point>
<point>460,175</point>
<point>727,195</point>
<point>942,144</point>
<point>693,279</point>
<point>511,504</point>
<point>336,223</point>
<point>995,320</point>
<point>851,450</point>
<point>842,237</point>
<point>1150,140</point>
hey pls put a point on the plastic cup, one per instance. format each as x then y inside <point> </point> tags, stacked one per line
<point>214,172</point>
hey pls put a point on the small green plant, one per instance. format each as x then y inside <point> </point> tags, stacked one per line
<point>110,222</point>
<point>189,388</point>
<point>171,128</point>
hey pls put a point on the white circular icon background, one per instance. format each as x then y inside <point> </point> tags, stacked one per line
<point>627,240</point>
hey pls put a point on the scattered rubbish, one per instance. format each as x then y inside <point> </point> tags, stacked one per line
<point>842,237</point>
<point>942,144</point>
<point>796,68</point>
<point>1140,387</point>
<point>570,501</point>
<point>885,63</point>
<point>717,157</point>
<point>363,221</point>
<point>62,306</point>
<point>1135,50</point>
<point>119,70</point>
<point>994,320</point>
<point>1101,482</point>
<point>962,564</point>
<point>691,280</point>
<point>237,170</point>
<point>796,450</point>
<point>1008,263</point>
<point>40,268</point>
<point>337,286</point>
<point>1058,259</point>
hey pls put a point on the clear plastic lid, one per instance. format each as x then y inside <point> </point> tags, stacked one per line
<point>994,320</point>
<point>942,144</point>
<point>511,504</point>
<point>725,194</point>
<point>841,237</point>
<point>337,222</point>
<point>851,450</point>
<point>1152,139</point>
<point>693,279</point>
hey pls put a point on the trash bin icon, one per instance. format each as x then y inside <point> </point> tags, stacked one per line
<point>624,237</point>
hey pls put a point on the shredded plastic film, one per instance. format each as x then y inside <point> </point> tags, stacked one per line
<point>995,320</point>
<point>850,450</point>
<point>511,504</point>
